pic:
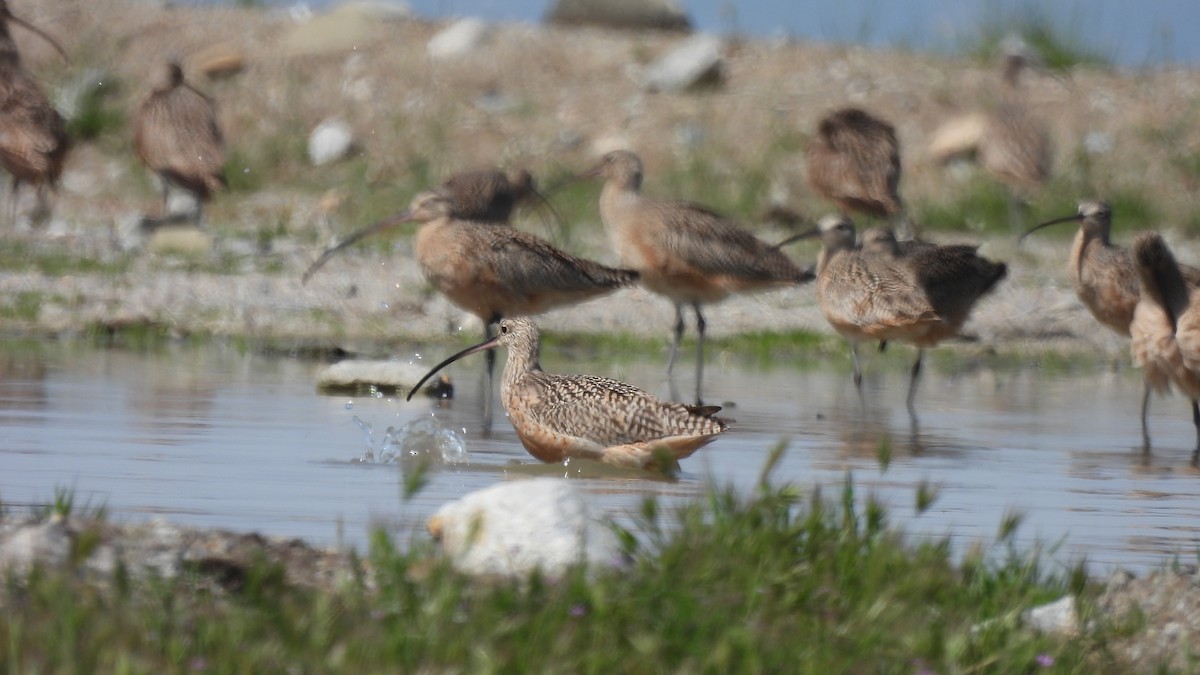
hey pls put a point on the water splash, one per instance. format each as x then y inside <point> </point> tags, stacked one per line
<point>423,438</point>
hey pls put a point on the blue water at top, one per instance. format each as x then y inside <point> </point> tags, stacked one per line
<point>1125,32</point>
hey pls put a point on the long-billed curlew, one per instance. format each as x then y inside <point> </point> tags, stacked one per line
<point>559,417</point>
<point>496,271</point>
<point>1008,140</point>
<point>921,297</point>
<point>33,135</point>
<point>683,251</point>
<point>854,161</point>
<point>177,136</point>
<point>1104,276</point>
<point>479,195</point>
<point>1165,329</point>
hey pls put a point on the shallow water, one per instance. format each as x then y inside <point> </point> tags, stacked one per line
<point>217,437</point>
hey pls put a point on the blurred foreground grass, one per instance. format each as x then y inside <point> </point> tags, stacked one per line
<point>773,581</point>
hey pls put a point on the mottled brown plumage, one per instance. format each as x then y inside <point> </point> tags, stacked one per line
<point>494,271</point>
<point>562,417</point>
<point>921,294</point>
<point>1008,140</point>
<point>683,251</point>
<point>481,196</point>
<point>1165,329</point>
<point>177,136</point>
<point>33,136</point>
<point>1105,277</point>
<point>488,195</point>
<point>854,161</point>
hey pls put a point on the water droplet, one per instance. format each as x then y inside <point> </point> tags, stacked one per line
<point>424,437</point>
<point>349,405</point>
<point>384,304</point>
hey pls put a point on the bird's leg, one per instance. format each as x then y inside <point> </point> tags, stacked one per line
<point>1145,426</point>
<point>166,198</point>
<point>700,326</point>
<point>677,340</point>
<point>912,383</point>
<point>857,367</point>
<point>40,209</point>
<point>13,201</point>
<point>1196,422</point>
<point>491,367</point>
<point>1016,212</point>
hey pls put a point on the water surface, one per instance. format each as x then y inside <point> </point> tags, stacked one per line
<point>215,436</point>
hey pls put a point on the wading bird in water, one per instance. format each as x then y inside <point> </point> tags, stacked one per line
<point>560,417</point>
<point>1165,330</point>
<point>1105,277</point>
<point>683,251</point>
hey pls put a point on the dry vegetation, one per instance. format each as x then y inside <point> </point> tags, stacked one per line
<point>549,98</point>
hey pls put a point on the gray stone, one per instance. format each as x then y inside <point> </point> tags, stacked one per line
<point>459,38</point>
<point>514,528</point>
<point>1059,617</point>
<point>45,543</point>
<point>695,61</point>
<point>330,141</point>
<point>632,14</point>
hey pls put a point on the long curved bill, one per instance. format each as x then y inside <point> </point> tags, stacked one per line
<point>1073,218</point>
<point>807,234</point>
<point>34,29</point>
<point>482,346</point>
<point>402,217</point>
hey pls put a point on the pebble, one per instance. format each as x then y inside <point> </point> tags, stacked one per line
<point>695,61</point>
<point>457,39</point>
<point>330,141</point>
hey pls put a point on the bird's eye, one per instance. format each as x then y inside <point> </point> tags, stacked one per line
<point>503,329</point>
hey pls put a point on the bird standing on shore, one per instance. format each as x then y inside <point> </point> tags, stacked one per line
<point>854,161</point>
<point>177,136</point>
<point>33,135</point>
<point>1008,140</point>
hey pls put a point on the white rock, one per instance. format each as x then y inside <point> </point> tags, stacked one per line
<point>692,61</point>
<point>513,528</point>
<point>1059,617</point>
<point>47,543</point>
<point>460,37</point>
<point>354,372</point>
<point>329,142</point>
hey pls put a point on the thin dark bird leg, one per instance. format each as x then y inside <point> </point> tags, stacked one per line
<point>857,367</point>
<point>678,338</point>
<point>700,326</point>
<point>490,357</point>
<point>14,195</point>
<point>1016,212</point>
<point>912,383</point>
<point>1196,422</point>
<point>1145,425</point>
